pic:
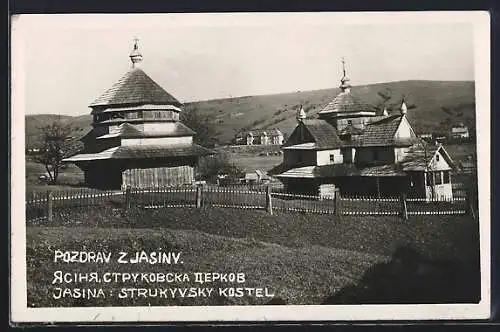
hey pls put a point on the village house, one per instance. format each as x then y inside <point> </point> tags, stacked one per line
<point>426,136</point>
<point>359,151</point>
<point>260,137</point>
<point>460,132</point>
<point>256,177</point>
<point>137,139</point>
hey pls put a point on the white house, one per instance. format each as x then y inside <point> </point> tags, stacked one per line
<point>460,132</point>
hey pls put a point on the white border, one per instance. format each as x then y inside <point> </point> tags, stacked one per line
<point>21,313</point>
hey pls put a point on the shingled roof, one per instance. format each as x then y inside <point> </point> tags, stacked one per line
<point>419,157</point>
<point>382,133</point>
<point>135,87</point>
<point>336,170</point>
<point>322,133</point>
<point>126,130</point>
<point>346,102</point>
<point>142,152</point>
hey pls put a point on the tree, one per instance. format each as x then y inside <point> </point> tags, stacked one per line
<point>203,125</point>
<point>385,101</point>
<point>54,137</point>
<point>210,167</point>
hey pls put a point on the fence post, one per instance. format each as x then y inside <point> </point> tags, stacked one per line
<point>127,198</point>
<point>469,201</point>
<point>50,204</point>
<point>198,196</point>
<point>336,201</point>
<point>269,203</point>
<point>404,210</point>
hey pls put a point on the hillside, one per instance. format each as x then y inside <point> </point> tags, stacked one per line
<point>437,105</point>
<point>34,122</point>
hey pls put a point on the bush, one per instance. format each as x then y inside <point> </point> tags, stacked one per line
<point>210,167</point>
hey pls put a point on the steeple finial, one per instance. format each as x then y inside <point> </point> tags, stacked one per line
<point>403,107</point>
<point>135,55</point>
<point>385,112</point>
<point>301,114</point>
<point>345,85</point>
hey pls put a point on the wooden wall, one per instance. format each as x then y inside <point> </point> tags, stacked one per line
<point>157,177</point>
<point>299,158</point>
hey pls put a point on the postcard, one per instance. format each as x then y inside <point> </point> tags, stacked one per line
<point>250,167</point>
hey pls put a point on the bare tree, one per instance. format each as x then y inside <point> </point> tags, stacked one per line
<point>54,137</point>
<point>387,101</point>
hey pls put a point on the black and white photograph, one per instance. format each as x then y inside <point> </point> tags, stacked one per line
<point>250,167</point>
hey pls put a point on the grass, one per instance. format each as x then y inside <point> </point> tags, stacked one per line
<point>303,260</point>
<point>70,177</point>
<point>296,275</point>
<point>250,163</point>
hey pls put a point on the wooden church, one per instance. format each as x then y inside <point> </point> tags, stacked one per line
<point>360,151</point>
<point>137,139</point>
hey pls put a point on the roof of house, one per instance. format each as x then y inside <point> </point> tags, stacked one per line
<point>324,134</point>
<point>457,130</point>
<point>135,87</point>
<point>143,152</point>
<point>346,102</point>
<point>382,133</point>
<point>467,164</point>
<point>336,170</point>
<point>419,157</point>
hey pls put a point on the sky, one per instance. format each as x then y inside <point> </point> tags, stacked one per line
<point>69,60</point>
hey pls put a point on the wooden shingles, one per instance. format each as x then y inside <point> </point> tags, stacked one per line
<point>321,132</point>
<point>159,151</point>
<point>380,133</point>
<point>346,102</point>
<point>135,87</point>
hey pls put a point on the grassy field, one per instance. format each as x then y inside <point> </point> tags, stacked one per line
<point>302,260</point>
<point>70,177</point>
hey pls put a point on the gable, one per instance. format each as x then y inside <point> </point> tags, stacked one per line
<point>299,135</point>
<point>440,160</point>
<point>404,131</point>
<point>323,133</point>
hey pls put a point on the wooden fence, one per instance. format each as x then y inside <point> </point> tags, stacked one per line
<point>43,205</point>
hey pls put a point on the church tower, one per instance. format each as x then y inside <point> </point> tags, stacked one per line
<point>346,111</point>
<point>137,138</point>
